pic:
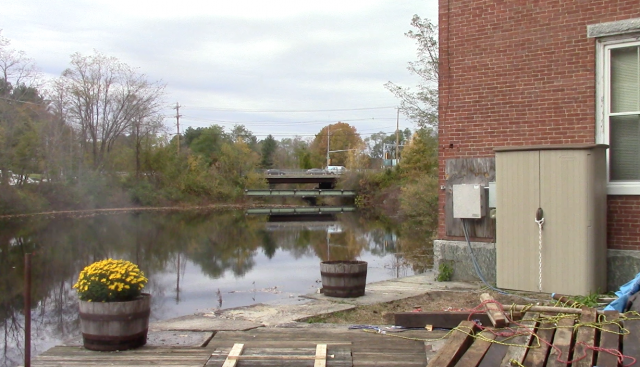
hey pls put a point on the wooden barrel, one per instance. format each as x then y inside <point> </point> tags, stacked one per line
<point>343,278</point>
<point>109,326</point>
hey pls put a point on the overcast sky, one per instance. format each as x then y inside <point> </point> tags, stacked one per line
<point>278,67</point>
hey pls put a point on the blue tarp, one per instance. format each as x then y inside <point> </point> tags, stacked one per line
<point>626,291</point>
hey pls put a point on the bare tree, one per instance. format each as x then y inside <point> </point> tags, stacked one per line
<point>15,68</point>
<point>20,104</point>
<point>146,124</point>
<point>106,97</point>
<point>421,104</point>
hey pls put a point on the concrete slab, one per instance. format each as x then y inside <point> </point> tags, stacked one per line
<point>395,289</point>
<point>282,314</point>
<point>205,322</point>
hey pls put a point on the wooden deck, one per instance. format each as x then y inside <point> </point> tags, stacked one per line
<point>583,340</point>
<point>267,347</point>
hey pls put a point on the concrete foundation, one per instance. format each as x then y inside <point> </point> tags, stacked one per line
<point>456,254</point>
<point>622,265</point>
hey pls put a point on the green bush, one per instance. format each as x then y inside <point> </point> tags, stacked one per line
<point>419,201</point>
<point>445,272</point>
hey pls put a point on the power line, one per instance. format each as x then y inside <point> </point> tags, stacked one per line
<point>283,123</point>
<point>287,111</point>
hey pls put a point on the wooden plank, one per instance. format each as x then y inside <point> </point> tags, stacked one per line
<point>457,344</point>
<point>438,319</point>
<point>631,341</point>
<point>474,354</point>
<point>363,348</point>
<point>609,339</point>
<point>339,356</point>
<point>73,356</point>
<point>537,357</point>
<point>546,309</point>
<point>518,349</point>
<point>468,171</point>
<point>585,336</point>
<point>235,351</point>
<point>495,353</point>
<point>321,355</point>
<point>495,313</point>
<point>561,343</point>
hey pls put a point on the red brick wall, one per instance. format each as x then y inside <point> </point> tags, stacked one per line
<point>522,72</point>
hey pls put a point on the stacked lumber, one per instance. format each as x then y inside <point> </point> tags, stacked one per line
<point>546,336</point>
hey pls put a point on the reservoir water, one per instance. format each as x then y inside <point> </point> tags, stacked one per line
<point>196,261</point>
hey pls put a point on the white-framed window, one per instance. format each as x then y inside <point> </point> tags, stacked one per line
<point>618,110</point>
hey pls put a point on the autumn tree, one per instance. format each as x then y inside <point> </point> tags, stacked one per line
<point>420,104</point>
<point>420,155</point>
<point>341,137</point>
<point>105,98</point>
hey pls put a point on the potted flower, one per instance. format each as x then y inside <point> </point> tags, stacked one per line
<point>114,313</point>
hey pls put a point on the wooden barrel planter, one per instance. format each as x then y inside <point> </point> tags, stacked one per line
<point>344,279</point>
<point>110,326</point>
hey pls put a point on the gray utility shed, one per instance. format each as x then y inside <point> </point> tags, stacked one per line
<point>569,184</point>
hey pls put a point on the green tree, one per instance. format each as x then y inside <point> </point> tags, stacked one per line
<point>421,104</point>
<point>206,142</point>
<point>241,132</point>
<point>419,169</point>
<point>269,146</point>
<point>290,153</point>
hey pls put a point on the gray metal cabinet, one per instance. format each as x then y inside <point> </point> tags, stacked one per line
<point>568,183</point>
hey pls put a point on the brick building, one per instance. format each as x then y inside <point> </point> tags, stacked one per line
<point>542,72</point>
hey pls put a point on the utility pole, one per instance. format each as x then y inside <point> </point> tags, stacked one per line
<point>328,138</point>
<point>397,133</point>
<point>177,108</point>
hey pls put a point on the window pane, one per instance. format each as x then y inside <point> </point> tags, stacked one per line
<point>624,151</point>
<point>625,81</point>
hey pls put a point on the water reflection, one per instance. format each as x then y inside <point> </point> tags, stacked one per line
<point>195,262</point>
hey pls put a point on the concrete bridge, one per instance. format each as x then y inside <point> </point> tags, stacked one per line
<point>291,176</point>
<point>300,192</point>
<point>326,184</point>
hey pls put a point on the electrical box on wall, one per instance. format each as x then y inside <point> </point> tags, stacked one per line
<point>492,194</point>
<point>468,201</point>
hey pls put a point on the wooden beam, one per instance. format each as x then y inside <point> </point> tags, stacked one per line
<point>546,309</point>
<point>609,339</point>
<point>321,355</point>
<point>518,351</point>
<point>437,319</point>
<point>474,354</point>
<point>455,347</point>
<point>495,353</point>
<point>495,313</point>
<point>235,352</point>
<point>561,343</point>
<point>585,336</point>
<point>631,341</point>
<point>537,357</point>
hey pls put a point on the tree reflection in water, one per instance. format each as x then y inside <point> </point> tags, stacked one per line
<point>193,260</point>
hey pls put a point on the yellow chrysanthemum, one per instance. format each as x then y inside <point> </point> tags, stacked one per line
<point>110,280</point>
